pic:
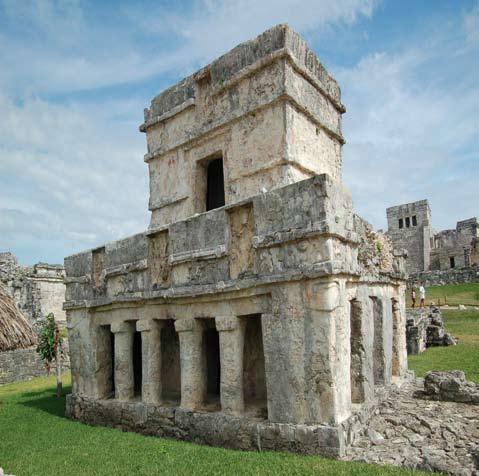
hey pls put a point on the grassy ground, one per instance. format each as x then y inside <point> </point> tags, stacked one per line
<point>452,294</point>
<point>465,356</point>
<point>35,439</point>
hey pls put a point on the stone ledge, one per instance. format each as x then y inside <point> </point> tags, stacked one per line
<point>201,254</point>
<point>140,265</point>
<point>319,270</point>
<point>324,228</point>
<point>166,202</point>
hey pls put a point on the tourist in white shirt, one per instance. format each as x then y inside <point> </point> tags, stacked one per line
<point>422,295</point>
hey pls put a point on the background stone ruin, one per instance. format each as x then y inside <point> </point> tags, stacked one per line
<point>434,256</point>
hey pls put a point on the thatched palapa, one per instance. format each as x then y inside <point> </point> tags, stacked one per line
<point>15,331</point>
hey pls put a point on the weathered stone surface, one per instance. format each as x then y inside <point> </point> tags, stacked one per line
<point>421,434</point>
<point>258,324</point>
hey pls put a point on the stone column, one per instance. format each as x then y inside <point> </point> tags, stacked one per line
<point>399,360</point>
<point>151,359</point>
<point>283,342</point>
<point>124,378</point>
<point>327,352</point>
<point>231,332</point>
<point>192,360</point>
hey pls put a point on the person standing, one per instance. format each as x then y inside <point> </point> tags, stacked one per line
<point>413,297</point>
<point>422,295</point>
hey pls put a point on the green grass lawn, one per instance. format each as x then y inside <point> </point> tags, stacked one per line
<point>36,439</point>
<point>465,356</point>
<point>452,294</point>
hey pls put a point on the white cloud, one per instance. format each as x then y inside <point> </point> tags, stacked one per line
<point>68,176</point>
<point>471,25</point>
<point>64,48</point>
<point>411,129</point>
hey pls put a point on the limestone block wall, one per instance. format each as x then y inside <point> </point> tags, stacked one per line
<point>21,364</point>
<point>25,364</point>
<point>267,108</point>
<point>448,276</point>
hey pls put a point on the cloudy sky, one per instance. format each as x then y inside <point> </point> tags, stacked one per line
<point>76,75</point>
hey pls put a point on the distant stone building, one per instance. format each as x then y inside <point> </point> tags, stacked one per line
<point>27,295</point>
<point>36,290</point>
<point>257,311</point>
<point>410,228</point>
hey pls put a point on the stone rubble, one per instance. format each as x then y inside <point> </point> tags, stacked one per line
<point>421,434</point>
<point>450,387</point>
<point>425,328</point>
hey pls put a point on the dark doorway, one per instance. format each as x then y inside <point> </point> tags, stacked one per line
<point>211,341</point>
<point>254,375</point>
<point>378,344</point>
<point>112,363</point>
<point>170,363</point>
<point>357,352</point>
<point>215,185</point>
<point>452,262</point>
<point>137,364</point>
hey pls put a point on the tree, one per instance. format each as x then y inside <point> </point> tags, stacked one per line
<point>50,348</point>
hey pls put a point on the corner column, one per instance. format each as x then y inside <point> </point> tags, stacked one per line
<point>124,377</point>
<point>231,333</point>
<point>328,359</point>
<point>150,359</point>
<point>193,368</point>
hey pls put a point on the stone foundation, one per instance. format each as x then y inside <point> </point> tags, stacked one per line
<point>220,429</point>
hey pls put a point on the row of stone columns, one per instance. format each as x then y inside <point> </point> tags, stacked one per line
<point>377,340</point>
<point>193,370</point>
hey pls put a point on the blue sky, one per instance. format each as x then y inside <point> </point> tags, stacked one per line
<point>76,75</point>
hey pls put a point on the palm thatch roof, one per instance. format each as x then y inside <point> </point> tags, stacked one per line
<point>15,331</point>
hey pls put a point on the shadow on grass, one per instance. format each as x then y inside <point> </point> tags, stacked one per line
<point>46,401</point>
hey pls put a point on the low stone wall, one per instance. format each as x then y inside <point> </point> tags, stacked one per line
<point>21,364</point>
<point>24,364</point>
<point>440,278</point>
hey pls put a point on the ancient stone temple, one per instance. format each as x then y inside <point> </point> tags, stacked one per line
<point>257,311</point>
<point>410,227</point>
